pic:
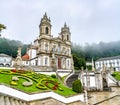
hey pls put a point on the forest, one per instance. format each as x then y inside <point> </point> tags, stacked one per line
<point>81,54</point>
<point>86,53</point>
<point>10,47</point>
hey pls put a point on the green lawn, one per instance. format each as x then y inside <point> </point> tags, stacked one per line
<point>41,82</point>
<point>116,75</point>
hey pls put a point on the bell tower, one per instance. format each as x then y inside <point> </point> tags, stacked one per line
<point>65,33</point>
<point>45,26</point>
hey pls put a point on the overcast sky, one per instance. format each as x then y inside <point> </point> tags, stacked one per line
<point>90,21</point>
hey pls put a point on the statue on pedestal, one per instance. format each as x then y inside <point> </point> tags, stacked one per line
<point>53,62</point>
<point>18,60</point>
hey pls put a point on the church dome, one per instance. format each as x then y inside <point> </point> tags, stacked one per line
<point>25,57</point>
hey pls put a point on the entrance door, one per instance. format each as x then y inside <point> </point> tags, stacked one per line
<point>59,63</point>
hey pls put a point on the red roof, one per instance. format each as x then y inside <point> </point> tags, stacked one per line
<point>25,57</point>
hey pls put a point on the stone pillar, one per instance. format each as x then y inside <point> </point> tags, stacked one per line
<point>99,81</point>
<point>53,62</point>
<point>82,78</point>
<point>85,97</point>
<point>87,80</point>
<point>96,83</point>
<point>93,66</point>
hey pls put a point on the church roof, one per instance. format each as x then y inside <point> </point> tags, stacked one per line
<point>25,57</point>
<point>4,55</point>
<point>109,58</point>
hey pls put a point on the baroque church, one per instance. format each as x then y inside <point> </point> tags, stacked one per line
<point>48,51</point>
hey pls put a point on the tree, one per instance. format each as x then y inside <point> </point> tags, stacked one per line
<point>78,62</point>
<point>2,26</point>
<point>10,47</point>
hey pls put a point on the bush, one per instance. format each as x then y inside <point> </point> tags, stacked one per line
<point>53,76</point>
<point>113,75</point>
<point>76,68</point>
<point>77,86</point>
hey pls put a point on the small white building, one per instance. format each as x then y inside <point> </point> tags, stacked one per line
<point>5,60</point>
<point>108,62</point>
<point>91,80</point>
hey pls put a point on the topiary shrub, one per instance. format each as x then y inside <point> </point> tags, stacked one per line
<point>77,86</point>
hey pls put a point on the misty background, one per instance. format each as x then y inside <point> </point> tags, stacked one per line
<point>81,54</point>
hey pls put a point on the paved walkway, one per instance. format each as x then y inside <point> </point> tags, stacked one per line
<point>105,98</point>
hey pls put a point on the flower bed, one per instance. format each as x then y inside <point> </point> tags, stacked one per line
<point>32,82</point>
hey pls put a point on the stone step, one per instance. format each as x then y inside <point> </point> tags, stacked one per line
<point>12,101</point>
<point>71,79</point>
<point>17,102</point>
<point>24,103</point>
<point>7,100</point>
<point>2,101</point>
<point>21,103</point>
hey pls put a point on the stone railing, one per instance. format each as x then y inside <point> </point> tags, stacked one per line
<point>43,95</point>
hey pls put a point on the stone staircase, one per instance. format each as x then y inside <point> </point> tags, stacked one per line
<point>72,78</point>
<point>7,100</point>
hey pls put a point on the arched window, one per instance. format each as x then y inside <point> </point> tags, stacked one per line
<point>68,63</point>
<point>59,48</point>
<point>54,48</point>
<point>7,65</point>
<point>46,47</point>
<point>62,37</point>
<point>67,51</point>
<point>46,30</point>
<point>1,64</point>
<point>67,37</point>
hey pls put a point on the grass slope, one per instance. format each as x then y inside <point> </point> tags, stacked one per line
<point>45,82</point>
<point>116,75</point>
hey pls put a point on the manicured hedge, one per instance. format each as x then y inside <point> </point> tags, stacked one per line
<point>77,86</point>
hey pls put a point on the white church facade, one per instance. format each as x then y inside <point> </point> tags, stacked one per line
<point>46,48</point>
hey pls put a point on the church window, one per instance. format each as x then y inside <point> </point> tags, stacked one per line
<point>46,61</point>
<point>46,47</point>
<point>67,52</point>
<point>54,48</point>
<point>46,30</point>
<point>36,62</point>
<point>26,62</point>
<point>67,37</point>
<point>63,50</point>
<point>59,48</point>
<point>62,37</point>
<point>68,62</point>
<point>4,60</point>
